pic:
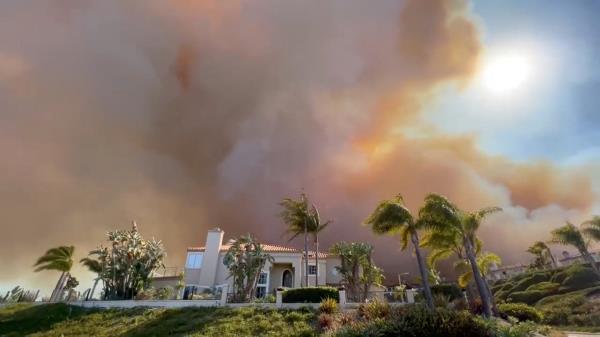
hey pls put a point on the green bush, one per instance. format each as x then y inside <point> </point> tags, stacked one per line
<point>418,321</point>
<point>548,287</point>
<point>450,290</point>
<point>328,306</point>
<point>532,279</point>
<point>556,316</point>
<point>580,279</point>
<point>527,297</point>
<point>310,295</point>
<point>522,312</point>
<point>374,310</point>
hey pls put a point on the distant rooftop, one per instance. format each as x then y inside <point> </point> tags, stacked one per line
<point>268,248</point>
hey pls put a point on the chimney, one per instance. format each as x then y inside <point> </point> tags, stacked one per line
<point>210,263</point>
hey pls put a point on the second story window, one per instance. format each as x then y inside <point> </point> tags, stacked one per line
<point>194,260</point>
<point>312,269</point>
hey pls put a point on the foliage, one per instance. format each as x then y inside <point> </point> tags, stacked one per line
<point>18,294</point>
<point>59,258</point>
<point>310,295</point>
<point>532,279</point>
<point>127,263</point>
<point>302,219</point>
<point>357,270</point>
<point>266,299</point>
<point>520,329</point>
<point>579,279</point>
<point>418,321</point>
<point>325,321</point>
<point>543,255</point>
<point>450,222</point>
<point>572,236</point>
<point>392,217</point>
<point>374,309</point>
<point>522,312</point>
<point>548,287</point>
<point>60,319</point>
<point>450,290</point>
<point>245,260</point>
<point>527,297</point>
<point>329,306</point>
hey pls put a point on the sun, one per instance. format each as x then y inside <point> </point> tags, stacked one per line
<point>505,73</point>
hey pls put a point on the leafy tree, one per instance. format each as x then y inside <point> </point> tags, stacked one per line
<point>128,262</point>
<point>357,270</point>
<point>591,228</point>
<point>96,267</point>
<point>301,218</point>
<point>59,259</point>
<point>391,217</point>
<point>570,235</point>
<point>245,260</point>
<point>440,215</point>
<point>543,255</point>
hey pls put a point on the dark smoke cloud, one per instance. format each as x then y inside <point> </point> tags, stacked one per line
<point>185,115</point>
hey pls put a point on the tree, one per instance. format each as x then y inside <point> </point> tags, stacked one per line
<point>357,270</point>
<point>302,218</point>
<point>59,259</point>
<point>591,228</point>
<point>245,260</point>
<point>570,235</point>
<point>440,215</point>
<point>95,267</point>
<point>128,262</point>
<point>542,254</point>
<point>485,261</point>
<point>391,217</point>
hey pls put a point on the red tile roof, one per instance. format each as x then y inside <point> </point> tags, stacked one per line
<point>268,248</point>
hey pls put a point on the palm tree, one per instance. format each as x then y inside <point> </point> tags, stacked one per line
<point>60,259</point>
<point>485,261</point>
<point>96,267</point>
<point>356,267</point>
<point>391,217</point>
<point>591,228</point>
<point>542,253</point>
<point>301,218</point>
<point>440,215</point>
<point>572,236</point>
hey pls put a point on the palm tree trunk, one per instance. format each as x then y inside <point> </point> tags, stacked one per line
<point>423,270</point>
<point>317,259</point>
<point>590,259</point>
<point>491,295</point>
<point>58,284</point>
<point>479,281</point>
<point>91,294</point>
<point>554,264</point>
<point>305,254</point>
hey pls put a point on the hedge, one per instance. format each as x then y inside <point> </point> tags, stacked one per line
<point>310,295</point>
<point>450,290</point>
<point>548,287</point>
<point>522,312</point>
<point>582,278</point>
<point>527,297</point>
<point>532,279</point>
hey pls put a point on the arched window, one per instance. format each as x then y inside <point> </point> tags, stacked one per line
<point>288,279</point>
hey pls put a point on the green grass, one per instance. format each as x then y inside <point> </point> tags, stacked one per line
<point>64,320</point>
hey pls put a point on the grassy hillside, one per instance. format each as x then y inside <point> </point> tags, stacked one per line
<point>63,320</point>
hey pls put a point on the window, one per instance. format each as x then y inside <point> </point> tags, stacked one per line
<point>312,269</point>
<point>262,284</point>
<point>194,260</point>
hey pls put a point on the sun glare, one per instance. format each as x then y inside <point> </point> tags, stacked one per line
<point>506,73</point>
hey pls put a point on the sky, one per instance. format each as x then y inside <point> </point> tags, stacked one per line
<point>185,115</point>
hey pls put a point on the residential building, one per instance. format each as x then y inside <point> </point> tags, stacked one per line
<point>204,267</point>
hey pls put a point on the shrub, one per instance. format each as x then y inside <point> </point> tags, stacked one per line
<point>325,321</point>
<point>522,312</point>
<point>146,294</point>
<point>527,297</point>
<point>164,293</point>
<point>328,306</point>
<point>580,279</point>
<point>418,321</point>
<point>451,291</point>
<point>556,316</point>
<point>310,295</point>
<point>374,309</point>
<point>548,287</point>
<point>266,299</point>
<point>532,279</point>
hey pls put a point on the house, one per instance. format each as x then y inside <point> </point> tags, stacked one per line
<point>568,260</point>
<point>204,267</point>
<point>501,273</point>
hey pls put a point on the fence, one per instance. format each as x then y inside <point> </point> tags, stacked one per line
<point>392,297</point>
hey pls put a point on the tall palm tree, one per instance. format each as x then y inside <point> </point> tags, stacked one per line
<point>96,267</point>
<point>591,228</point>
<point>542,253</point>
<point>59,259</point>
<point>572,236</point>
<point>440,215</point>
<point>303,218</point>
<point>391,217</point>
